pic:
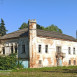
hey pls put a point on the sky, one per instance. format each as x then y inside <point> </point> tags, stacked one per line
<point>62,13</point>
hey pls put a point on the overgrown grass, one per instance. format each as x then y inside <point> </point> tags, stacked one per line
<point>46,69</point>
<point>70,71</point>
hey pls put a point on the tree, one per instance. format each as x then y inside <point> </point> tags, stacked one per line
<point>40,27</point>
<point>2,28</point>
<point>24,25</point>
<point>53,28</point>
<point>49,28</point>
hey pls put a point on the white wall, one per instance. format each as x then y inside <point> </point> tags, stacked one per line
<point>49,59</point>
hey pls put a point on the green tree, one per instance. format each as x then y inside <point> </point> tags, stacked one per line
<point>53,28</point>
<point>2,28</point>
<point>40,27</point>
<point>24,25</point>
<point>49,28</point>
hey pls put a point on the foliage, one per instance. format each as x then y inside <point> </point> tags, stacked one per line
<point>8,62</point>
<point>19,64</point>
<point>49,28</point>
<point>40,27</point>
<point>53,28</point>
<point>24,25</point>
<point>2,28</point>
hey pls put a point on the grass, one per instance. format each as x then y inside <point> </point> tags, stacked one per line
<point>70,71</point>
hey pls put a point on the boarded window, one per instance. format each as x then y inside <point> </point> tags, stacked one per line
<point>58,49</point>
<point>69,50</point>
<point>74,62</point>
<point>46,48</point>
<point>11,49</point>
<point>69,62</point>
<point>40,61</point>
<point>3,50</point>
<point>23,48</point>
<point>39,48</point>
<point>73,50</point>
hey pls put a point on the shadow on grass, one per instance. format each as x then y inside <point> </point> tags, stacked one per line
<point>70,71</point>
<point>63,71</point>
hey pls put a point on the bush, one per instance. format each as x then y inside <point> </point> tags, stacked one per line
<point>8,62</point>
<point>19,64</point>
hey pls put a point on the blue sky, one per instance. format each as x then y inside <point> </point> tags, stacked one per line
<point>62,13</point>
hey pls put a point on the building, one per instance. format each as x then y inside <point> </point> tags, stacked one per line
<point>38,48</point>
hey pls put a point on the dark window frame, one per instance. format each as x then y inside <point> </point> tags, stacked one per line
<point>40,61</point>
<point>74,51</point>
<point>23,48</point>
<point>69,50</point>
<point>3,49</point>
<point>69,62</point>
<point>16,48</point>
<point>74,61</point>
<point>58,49</point>
<point>46,48</point>
<point>39,48</point>
<point>12,49</point>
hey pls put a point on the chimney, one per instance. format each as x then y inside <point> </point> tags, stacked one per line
<point>32,24</point>
<point>32,41</point>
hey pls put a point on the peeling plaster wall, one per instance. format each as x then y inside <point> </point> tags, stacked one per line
<point>23,41</point>
<point>7,45</point>
<point>49,59</point>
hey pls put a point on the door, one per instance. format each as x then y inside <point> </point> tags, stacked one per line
<point>59,62</point>
<point>24,63</point>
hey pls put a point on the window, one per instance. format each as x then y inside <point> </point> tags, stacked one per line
<point>69,62</point>
<point>39,48</point>
<point>40,61</point>
<point>3,50</point>
<point>46,48</point>
<point>69,50</point>
<point>11,49</point>
<point>73,50</point>
<point>58,49</point>
<point>74,62</point>
<point>16,48</point>
<point>23,48</point>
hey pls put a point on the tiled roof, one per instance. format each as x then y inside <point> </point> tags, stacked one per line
<point>43,33</point>
<point>15,34</point>
<point>55,35</point>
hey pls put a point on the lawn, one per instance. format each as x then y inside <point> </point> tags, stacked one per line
<point>70,71</point>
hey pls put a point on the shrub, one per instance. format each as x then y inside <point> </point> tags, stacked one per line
<point>9,62</point>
